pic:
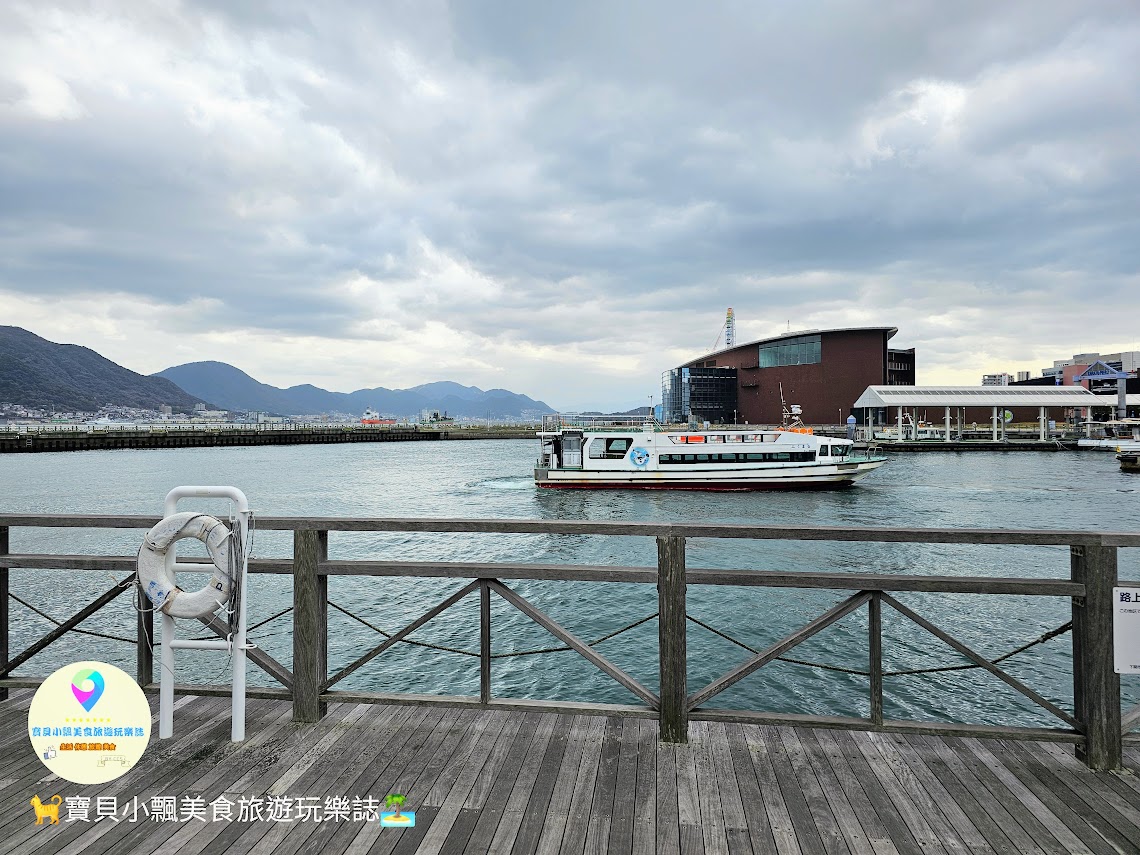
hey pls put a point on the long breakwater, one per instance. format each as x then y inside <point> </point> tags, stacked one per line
<point>24,439</point>
<point>102,438</point>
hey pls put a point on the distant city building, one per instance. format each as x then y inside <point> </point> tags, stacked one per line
<point>199,408</point>
<point>1022,376</point>
<point>823,371</point>
<point>1002,379</point>
<point>165,410</point>
<point>1128,360</point>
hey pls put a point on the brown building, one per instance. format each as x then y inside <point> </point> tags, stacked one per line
<point>823,371</point>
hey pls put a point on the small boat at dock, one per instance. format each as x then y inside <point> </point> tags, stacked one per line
<point>911,432</point>
<point>1129,461</point>
<point>1120,435</point>
<point>584,453</point>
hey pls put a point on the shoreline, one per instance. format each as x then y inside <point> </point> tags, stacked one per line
<point>147,438</point>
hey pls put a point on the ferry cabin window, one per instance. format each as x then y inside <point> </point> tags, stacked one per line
<point>840,450</point>
<point>824,451</point>
<point>609,447</point>
<point>750,457</point>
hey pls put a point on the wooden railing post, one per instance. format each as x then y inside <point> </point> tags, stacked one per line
<point>1096,685</point>
<point>484,642</point>
<point>3,606</point>
<point>310,624</point>
<point>875,640</point>
<point>144,638</point>
<point>672,650</point>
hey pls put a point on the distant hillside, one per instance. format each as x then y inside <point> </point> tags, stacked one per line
<point>35,372</point>
<point>233,389</point>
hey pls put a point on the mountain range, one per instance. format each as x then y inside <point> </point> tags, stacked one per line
<point>233,389</point>
<point>38,373</point>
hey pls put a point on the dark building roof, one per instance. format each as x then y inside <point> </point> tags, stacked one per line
<point>890,331</point>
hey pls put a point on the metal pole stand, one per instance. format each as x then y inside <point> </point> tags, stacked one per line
<point>235,646</point>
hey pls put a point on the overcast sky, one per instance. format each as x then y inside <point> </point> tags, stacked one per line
<point>563,199</point>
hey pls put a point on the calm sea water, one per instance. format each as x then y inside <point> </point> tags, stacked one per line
<point>491,479</point>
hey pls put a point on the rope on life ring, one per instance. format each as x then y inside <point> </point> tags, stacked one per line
<point>158,583</point>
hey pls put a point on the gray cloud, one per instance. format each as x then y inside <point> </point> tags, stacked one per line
<point>564,200</point>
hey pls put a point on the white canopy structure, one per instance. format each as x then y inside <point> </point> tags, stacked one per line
<point>1130,399</point>
<point>995,397</point>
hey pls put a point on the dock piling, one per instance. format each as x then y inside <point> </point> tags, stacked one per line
<point>310,624</point>
<point>4,606</point>
<point>672,628</point>
<point>1096,685</point>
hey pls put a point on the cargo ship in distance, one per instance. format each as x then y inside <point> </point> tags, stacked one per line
<point>583,453</point>
<point>371,417</point>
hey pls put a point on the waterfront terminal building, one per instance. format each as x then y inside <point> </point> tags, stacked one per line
<point>823,371</point>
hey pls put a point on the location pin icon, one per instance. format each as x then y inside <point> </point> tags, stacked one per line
<point>87,686</point>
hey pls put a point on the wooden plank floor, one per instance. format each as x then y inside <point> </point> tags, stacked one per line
<point>492,781</point>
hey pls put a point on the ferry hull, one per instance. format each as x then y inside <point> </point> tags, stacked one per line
<point>725,487</point>
<point>797,479</point>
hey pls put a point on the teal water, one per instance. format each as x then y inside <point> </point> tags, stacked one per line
<point>491,479</point>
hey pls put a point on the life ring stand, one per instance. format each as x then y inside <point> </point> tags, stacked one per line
<point>157,579</point>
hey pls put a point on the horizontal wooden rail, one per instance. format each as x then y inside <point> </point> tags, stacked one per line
<point>868,534</point>
<point>603,573</point>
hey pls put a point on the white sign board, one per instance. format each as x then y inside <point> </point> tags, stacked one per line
<point>1126,629</point>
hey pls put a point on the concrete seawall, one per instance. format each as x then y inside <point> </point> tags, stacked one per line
<point>79,440</point>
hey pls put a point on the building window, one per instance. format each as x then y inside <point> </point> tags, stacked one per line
<point>801,350</point>
<point>700,394</point>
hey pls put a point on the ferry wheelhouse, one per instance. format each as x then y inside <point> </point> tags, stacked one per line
<point>581,453</point>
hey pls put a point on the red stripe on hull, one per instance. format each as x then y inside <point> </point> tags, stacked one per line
<point>723,487</point>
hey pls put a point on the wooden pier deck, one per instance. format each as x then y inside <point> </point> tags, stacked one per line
<point>486,780</point>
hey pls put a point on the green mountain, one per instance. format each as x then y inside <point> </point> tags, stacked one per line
<point>35,372</point>
<point>233,389</point>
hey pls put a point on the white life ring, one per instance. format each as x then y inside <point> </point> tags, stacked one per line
<point>158,582</point>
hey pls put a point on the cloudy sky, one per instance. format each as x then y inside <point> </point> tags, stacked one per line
<point>563,199</point>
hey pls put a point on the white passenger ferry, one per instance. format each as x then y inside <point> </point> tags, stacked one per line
<point>580,453</point>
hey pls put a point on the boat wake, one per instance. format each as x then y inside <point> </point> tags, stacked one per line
<point>506,482</point>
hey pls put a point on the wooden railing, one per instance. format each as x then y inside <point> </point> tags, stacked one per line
<point>1096,725</point>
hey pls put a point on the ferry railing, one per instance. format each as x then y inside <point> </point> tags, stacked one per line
<point>1096,725</point>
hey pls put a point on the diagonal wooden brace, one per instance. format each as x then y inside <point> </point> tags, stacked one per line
<point>68,625</point>
<point>259,657</point>
<point>1130,719</point>
<point>982,662</point>
<point>572,641</point>
<point>402,634</point>
<point>779,648</point>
